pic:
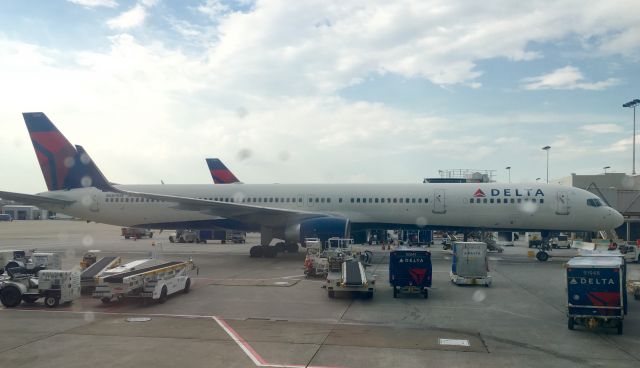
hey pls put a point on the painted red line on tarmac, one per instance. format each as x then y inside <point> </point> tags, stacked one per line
<point>257,359</point>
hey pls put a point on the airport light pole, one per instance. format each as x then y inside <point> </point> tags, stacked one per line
<point>633,104</point>
<point>509,170</point>
<point>547,148</point>
<point>605,169</point>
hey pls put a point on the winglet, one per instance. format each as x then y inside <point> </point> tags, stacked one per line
<point>220,173</point>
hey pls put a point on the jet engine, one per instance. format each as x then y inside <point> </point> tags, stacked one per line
<point>321,227</point>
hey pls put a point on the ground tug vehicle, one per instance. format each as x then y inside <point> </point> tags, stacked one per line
<point>55,286</point>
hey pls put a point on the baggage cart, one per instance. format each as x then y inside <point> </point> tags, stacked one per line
<point>410,271</point>
<point>470,264</point>
<point>596,294</point>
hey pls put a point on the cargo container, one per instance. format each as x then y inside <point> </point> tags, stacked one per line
<point>470,264</point>
<point>410,271</point>
<point>596,294</point>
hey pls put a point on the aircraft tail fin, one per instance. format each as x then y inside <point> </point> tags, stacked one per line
<point>64,166</point>
<point>55,154</point>
<point>220,173</point>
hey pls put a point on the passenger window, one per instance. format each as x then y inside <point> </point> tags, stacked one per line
<point>277,200</point>
<point>339,200</point>
<point>413,200</point>
<point>406,200</point>
<point>519,200</point>
<point>484,200</point>
<point>351,200</point>
<point>358,200</point>
<point>471,200</point>
<point>533,200</point>
<point>401,200</point>
<point>321,200</point>
<point>419,200</point>
<point>491,200</point>
<point>317,200</point>
<point>395,200</point>
<point>513,200</point>
<point>541,200</point>
<point>328,200</point>
<point>370,200</point>
<point>377,200</point>
<point>426,200</point>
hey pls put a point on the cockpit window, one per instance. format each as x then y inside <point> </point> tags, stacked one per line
<point>594,202</point>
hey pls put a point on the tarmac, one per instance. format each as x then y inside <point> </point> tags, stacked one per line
<point>247,312</point>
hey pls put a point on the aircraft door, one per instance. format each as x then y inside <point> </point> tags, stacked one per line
<point>562,204</point>
<point>439,203</point>
<point>310,200</point>
<point>94,204</point>
<point>300,200</point>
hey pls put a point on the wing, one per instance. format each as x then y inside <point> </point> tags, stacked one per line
<point>266,216</point>
<point>34,200</point>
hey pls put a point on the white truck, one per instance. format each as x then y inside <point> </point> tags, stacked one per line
<point>55,286</point>
<point>149,278</point>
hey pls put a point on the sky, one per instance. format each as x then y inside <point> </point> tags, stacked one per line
<point>321,91</point>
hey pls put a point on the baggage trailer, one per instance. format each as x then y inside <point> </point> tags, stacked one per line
<point>410,271</point>
<point>470,264</point>
<point>596,294</point>
<point>55,286</point>
<point>351,278</point>
<point>151,280</point>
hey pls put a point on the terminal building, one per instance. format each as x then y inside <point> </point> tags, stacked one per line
<point>20,212</point>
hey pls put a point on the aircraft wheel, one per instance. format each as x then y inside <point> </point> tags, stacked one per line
<point>619,327</point>
<point>256,251</point>
<point>270,252</point>
<point>395,292</point>
<point>426,293</point>
<point>571,323</point>
<point>542,256</point>
<point>331,293</point>
<point>280,247</point>
<point>291,247</point>
<point>105,300</point>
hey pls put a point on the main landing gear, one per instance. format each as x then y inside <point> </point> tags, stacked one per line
<point>272,251</point>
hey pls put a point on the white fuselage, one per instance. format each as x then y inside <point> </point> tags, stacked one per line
<point>503,206</point>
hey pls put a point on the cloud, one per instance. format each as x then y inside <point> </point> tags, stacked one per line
<point>568,77</point>
<point>213,8</point>
<point>602,128</point>
<point>95,3</point>
<point>129,19</point>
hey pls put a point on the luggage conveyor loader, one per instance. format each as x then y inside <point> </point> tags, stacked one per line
<point>88,277</point>
<point>150,279</point>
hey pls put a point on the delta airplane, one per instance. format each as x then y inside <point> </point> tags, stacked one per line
<point>293,212</point>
